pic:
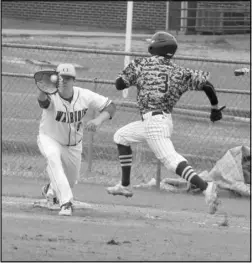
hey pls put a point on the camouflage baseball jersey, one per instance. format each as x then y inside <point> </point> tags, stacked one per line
<point>160,82</point>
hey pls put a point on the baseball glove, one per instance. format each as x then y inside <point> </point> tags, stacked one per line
<point>47,81</point>
<point>216,114</point>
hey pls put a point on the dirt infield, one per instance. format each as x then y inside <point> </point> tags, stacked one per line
<point>151,226</point>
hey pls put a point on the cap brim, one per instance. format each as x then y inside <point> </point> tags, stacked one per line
<point>67,75</point>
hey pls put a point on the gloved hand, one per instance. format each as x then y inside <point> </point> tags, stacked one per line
<point>216,114</point>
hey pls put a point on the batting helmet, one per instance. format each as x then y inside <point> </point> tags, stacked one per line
<point>163,44</point>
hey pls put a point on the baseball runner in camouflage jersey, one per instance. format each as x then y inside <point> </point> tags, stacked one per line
<point>160,84</point>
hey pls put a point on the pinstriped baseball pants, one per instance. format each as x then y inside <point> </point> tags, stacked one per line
<point>156,131</point>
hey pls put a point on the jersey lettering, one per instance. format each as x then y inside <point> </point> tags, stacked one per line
<point>75,116</point>
<point>64,122</point>
<point>59,115</point>
<point>64,119</point>
<point>78,125</point>
<point>79,115</point>
<point>72,117</point>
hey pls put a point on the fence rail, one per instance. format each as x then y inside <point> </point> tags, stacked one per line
<point>103,81</point>
<point>120,53</point>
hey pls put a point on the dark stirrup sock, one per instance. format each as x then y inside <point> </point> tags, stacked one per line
<point>186,172</point>
<point>125,157</point>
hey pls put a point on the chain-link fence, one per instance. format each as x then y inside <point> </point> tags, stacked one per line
<point>200,141</point>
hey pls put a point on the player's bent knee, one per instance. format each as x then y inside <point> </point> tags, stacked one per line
<point>119,139</point>
<point>172,162</point>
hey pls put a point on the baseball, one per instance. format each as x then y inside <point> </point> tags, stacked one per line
<point>54,78</point>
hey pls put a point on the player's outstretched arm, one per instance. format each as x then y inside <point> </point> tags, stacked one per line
<point>194,79</point>
<point>43,100</point>
<point>198,80</point>
<point>209,89</point>
<point>216,113</point>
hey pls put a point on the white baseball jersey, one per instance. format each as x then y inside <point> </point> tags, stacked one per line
<point>63,121</point>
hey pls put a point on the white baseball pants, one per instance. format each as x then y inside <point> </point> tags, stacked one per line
<point>63,166</point>
<point>156,131</point>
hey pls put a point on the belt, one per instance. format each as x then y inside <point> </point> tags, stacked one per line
<point>153,113</point>
<point>157,113</point>
<point>74,144</point>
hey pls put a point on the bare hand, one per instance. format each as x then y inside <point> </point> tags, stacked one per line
<point>92,125</point>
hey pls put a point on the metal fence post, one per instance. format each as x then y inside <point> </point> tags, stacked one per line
<point>167,26</point>
<point>158,176</point>
<point>91,137</point>
<point>183,19</point>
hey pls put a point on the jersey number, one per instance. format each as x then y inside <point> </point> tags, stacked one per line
<point>165,79</point>
<point>78,125</point>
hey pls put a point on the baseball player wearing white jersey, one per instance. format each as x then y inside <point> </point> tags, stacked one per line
<point>160,84</point>
<point>61,131</point>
